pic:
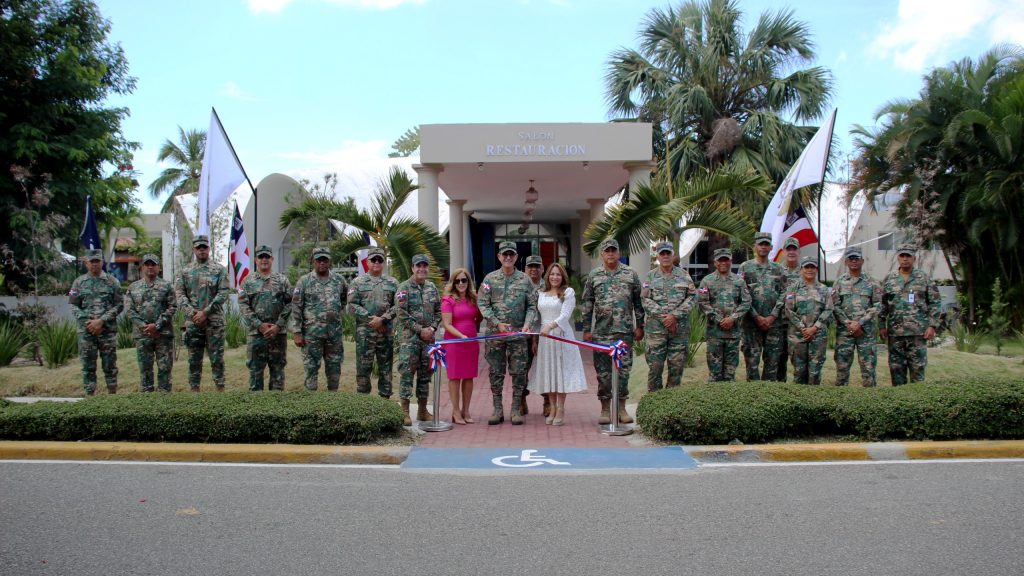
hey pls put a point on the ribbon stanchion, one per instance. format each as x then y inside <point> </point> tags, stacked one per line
<point>437,360</point>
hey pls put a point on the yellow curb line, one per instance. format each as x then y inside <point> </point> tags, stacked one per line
<point>194,452</point>
<point>860,451</point>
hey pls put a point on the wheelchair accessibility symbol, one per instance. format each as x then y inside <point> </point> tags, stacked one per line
<point>528,459</point>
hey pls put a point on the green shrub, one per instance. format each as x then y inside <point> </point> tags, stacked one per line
<point>235,331</point>
<point>763,412</point>
<point>262,417</point>
<point>966,340</point>
<point>59,342</point>
<point>12,340</point>
<point>124,333</point>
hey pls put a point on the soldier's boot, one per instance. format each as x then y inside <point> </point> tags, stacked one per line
<point>111,389</point>
<point>517,415</point>
<point>405,412</point>
<point>421,410</point>
<point>523,409</point>
<point>624,417</point>
<point>498,417</point>
<point>606,415</point>
<point>547,405</point>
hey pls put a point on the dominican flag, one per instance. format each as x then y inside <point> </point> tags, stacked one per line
<point>798,226</point>
<point>90,236</point>
<point>363,255</point>
<point>238,250</point>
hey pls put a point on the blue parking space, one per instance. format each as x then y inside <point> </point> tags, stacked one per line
<point>670,457</point>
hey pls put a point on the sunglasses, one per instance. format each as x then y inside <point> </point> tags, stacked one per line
<point>377,260</point>
<point>263,256</point>
<point>507,254</point>
<point>853,257</point>
<point>462,281</point>
<point>323,259</point>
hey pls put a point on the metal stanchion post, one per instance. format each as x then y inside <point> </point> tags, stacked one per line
<point>436,425</point>
<point>614,428</point>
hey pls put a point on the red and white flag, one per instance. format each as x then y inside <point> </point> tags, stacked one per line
<point>809,169</point>
<point>797,226</point>
<point>238,250</point>
<point>364,262</point>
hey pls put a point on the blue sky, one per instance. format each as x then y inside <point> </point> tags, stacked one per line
<point>302,84</point>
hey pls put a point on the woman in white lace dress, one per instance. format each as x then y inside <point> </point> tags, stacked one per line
<point>557,366</point>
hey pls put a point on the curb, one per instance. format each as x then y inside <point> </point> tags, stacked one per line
<point>876,451</point>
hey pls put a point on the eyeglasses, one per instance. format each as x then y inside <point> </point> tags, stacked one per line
<point>462,281</point>
<point>377,260</point>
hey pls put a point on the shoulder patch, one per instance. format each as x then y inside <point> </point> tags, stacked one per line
<point>702,290</point>
<point>485,287</point>
<point>297,291</point>
<point>73,292</point>
<point>647,284</point>
<point>401,295</point>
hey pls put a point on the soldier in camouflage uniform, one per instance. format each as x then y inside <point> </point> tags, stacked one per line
<point>264,299</point>
<point>419,317</point>
<point>508,303</point>
<point>202,289</point>
<point>910,316</point>
<point>791,273</point>
<point>150,305</point>
<point>96,300</point>
<point>534,270</point>
<point>856,303</point>
<point>668,295</point>
<point>725,300</point>
<point>371,298</point>
<point>612,310</point>
<point>808,307</point>
<point>318,302</point>
<point>762,329</point>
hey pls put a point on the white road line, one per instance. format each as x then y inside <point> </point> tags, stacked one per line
<point>859,462</point>
<point>236,464</point>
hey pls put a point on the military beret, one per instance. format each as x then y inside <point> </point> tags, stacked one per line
<point>791,243</point>
<point>264,249</point>
<point>201,240</point>
<point>854,251</point>
<point>609,243</point>
<point>321,253</point>
<point>906,249</point>
<point>91,255</point>
<point>507,246</point>
<point>809,261</point>
<point>420,259</point>
<point>723,253</point>
<point>151,258</point>
<point>375,251</point>
<point>762,237</point>
<point>534,261</point>
<point>663,247</point>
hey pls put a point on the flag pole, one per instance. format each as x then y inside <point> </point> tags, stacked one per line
<point>244,173</point>
<point>821,189</point>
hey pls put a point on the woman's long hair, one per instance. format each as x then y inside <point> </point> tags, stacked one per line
<point>562,286</point>
<point>451,290</point>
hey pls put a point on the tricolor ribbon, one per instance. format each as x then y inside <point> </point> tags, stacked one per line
<point>437,356</point>
<point>617,350</point>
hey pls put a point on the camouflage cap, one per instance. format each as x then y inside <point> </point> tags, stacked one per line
<point>321,253</point>
<point>854,251</point>
<point>663,247</point>
<point>763,237</point>
<point>201,240</point>
<point>91,255</point>
<point>723,253</point>
<point>791,243</point>
<point>151,258</point>
<point>420,259</point>
<point>906,249</point>
<point>809,261</point>
<point>609,243</point>
<point>264,249</point>
<point>507,246</point>
<point>534,261</point>
<point>375,251</point>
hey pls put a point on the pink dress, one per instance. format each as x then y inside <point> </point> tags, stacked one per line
<point>462,358</point>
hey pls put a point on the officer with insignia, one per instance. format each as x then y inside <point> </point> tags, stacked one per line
<point>150,305</point>
<point>725,300</point>
<point>371,298</point>
<point>96,300</point>
<point>202,288</point>
<point>534,270</point>
<point>808,307</point>
<point>791,271</point>
<point>762,330</point>
<point>419,318</point>
<point>668,296</point>
<point>318,302</point>
<point>910,315</point>
<point>612,310</point>
<point>264,299</point>
<point>856,304</point>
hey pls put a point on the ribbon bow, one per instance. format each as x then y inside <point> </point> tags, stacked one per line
<point>437,356</point>
<point>617,351</point>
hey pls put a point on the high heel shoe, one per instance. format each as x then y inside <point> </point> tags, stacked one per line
<point>550,417</point>
<point>465,416</point>
<point>559,420</point>
<point>457,418</point>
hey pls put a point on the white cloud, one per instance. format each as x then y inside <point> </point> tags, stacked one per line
<point>351,152</point>
<point>273,6</point>
<point>843,57</point>
<point>258,6</point>
<point>231,90</point>
<point>927,31</point>
<point>1009,26</point>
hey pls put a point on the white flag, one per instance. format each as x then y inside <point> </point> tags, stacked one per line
<point>809,169</point>
<point>222,173</point>
<point>364,263</point>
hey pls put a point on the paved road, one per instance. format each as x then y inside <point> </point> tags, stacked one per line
<point>871,519</point>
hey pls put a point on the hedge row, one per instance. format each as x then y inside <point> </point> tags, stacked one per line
<point>761,412</point>
<point>265,417</point>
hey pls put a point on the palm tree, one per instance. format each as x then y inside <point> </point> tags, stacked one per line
<point>401,237</point>
<point>187,156</point>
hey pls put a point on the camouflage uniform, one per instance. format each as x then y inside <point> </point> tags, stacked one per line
<point>721,296</point>
<point>860,300</point>
<point>611,300</point>
<point>909,307</point>
<point>91,298</point>
<point>419,307</point>
<point>529,348</point>
<point>203,287</point>
<point>790,276</point>
<point>513,300</point>
<point>152,304</point>
<point>370,296</point>
<point>807,306</point>
<point>266,299</point>
<point>673,293</point>
<point>766,283</point>
<point>317,308</point>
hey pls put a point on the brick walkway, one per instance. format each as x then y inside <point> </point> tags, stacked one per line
<point>580,429</point>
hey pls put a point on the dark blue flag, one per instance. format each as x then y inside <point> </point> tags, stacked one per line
<point>90,232</point>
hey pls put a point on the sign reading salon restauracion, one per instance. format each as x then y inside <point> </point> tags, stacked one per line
<point>559,142</point>
<point>536,144</point>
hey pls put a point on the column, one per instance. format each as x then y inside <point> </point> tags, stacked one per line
<point>575,239</point>
<point>640,173</point>
<point>596,213</point>
<point>456,239</point>
<point>427,175</point>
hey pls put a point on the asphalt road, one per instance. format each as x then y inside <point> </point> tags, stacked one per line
<point>874,519</point>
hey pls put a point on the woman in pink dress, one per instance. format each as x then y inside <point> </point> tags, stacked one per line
<point>460,317</point>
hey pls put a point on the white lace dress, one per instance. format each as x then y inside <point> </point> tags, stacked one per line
<point>557,367</point>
